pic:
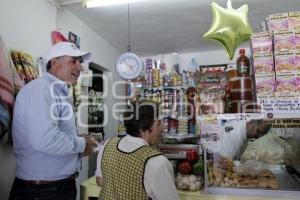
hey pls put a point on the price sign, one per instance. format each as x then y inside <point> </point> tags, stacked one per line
<point>241,116</point>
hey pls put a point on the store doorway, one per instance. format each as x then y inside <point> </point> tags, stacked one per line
<point>95,110</point>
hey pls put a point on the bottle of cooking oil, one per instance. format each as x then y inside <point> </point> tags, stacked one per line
<point>243,64</point>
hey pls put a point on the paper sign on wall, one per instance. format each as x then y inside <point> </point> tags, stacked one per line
<point>272,105</point>
<point>74,39</point>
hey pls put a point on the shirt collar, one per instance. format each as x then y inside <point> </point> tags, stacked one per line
<point>59,84</point>
<point>137,140</point>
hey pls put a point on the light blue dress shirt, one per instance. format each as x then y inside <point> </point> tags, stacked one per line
<point>45,141</point>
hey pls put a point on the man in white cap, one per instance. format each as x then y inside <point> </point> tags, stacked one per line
<point>46,144</point>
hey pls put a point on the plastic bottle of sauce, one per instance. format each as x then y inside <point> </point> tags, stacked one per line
<point>243,64</point>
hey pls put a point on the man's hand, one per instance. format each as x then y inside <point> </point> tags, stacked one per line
<point>90,144</point>
<point>99,181</point>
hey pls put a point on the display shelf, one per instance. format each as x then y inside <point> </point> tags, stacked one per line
<point>165,88</point>
<point>95,108</point>
<point>179,138</point>
<point>95,101</point>
<point>162,116</point>
<point>141,91</point>
<point>177,151</point>
<point>177,156</point>
<point>245,116</point>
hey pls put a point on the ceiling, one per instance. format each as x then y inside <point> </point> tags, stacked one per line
<point>167,26</point>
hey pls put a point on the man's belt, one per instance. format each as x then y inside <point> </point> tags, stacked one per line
<point>44,182</point>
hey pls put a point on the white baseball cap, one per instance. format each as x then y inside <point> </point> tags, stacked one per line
<point>68,49</point>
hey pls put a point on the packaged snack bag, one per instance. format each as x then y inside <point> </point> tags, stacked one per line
<point>284,61</point>
<point>294,20</point>
<point>263,63</point>
<point>278,21</point>
<point>261,43</point>
<point>283,40</point>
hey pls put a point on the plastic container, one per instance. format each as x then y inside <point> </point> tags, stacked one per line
<point>244,83</point>
<point>231,71</point>
<point>241,95</point>
<point>243,64</point>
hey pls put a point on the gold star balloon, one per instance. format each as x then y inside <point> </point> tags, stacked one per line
<point>230,26</point>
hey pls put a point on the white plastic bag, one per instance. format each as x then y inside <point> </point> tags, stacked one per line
<point>269,148</point>
<point>233,138</point>
<point>250,167</point>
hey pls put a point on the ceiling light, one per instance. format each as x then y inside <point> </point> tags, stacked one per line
<point>100,3</point>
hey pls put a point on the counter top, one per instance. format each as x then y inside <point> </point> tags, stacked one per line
<point>89,188</point>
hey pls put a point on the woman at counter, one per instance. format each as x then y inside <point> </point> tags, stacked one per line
<point>129,168</point>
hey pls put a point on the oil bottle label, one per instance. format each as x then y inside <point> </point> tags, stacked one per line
<point>243,67</point>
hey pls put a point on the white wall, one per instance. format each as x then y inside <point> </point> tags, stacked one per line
<point>208,58</point>
<point>26,25</point>
<point>202,58</point>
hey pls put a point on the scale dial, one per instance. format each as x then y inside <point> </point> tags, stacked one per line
<point>129,66</point>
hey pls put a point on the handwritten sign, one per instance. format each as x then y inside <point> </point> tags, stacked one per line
<point>272,105</point>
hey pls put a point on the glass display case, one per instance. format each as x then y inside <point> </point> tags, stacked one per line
<point>95,100</point>
<point>252,155</point>
<point>96,115</point>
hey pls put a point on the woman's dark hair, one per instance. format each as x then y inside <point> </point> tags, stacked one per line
<point>140,117</point>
